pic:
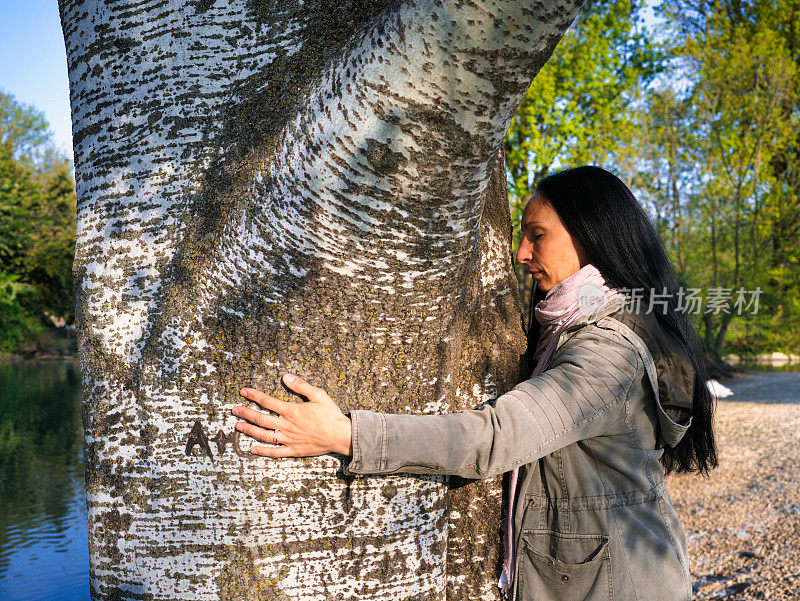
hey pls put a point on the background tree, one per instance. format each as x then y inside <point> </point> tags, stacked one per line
<point>739,123</point>
<point>317,188</point>
<point>37,230</point>
<point>51,240</point>
<point>24,132</point>
<point>739,108</point>
<point>662,165</point>
<point>578,108</point>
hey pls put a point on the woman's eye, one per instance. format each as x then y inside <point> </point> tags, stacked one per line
<point>537,236</point>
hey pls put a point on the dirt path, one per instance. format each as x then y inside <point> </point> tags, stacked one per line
<point>743,523</point>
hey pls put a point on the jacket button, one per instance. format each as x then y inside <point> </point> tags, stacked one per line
<point>565,578</point>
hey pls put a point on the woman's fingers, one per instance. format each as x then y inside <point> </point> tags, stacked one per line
<point>262,434</point>
<point>267,401</point>
<point>284,448</point>
<point>280,451</point>
<point>300,386</point>
<point>258,418</point>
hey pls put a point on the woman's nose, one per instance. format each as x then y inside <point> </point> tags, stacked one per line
<point>524,252</point>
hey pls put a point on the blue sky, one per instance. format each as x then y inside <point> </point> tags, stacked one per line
<point>34,64</point>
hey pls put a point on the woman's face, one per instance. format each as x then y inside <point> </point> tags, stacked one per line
<point>547,248</point>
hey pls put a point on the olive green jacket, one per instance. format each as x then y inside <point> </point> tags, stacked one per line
<point>593,519</point>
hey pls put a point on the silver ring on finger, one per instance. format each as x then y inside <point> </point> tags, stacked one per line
<point>275,437</point>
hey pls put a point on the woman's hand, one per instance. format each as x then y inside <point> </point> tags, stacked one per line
<point>300,429</point>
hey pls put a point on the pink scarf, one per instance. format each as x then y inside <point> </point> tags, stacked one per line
<point>582,293</point>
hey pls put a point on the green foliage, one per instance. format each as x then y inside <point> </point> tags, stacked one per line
<point>17,191</point>
<point>37,226</point>
<point>24,132</point>
<point>51,243</point>
<point>17,323</point>
<point>577,107</point>
<point>718,162</point>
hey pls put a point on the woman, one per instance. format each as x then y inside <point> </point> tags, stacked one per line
<point>616,400</point>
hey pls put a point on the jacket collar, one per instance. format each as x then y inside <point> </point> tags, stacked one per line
<point>611,306</point>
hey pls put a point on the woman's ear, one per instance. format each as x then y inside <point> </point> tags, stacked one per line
<point>583,257</point>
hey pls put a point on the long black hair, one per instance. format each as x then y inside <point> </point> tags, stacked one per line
<point>602,214</point>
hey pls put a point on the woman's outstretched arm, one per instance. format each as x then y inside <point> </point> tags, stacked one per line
<point>582,395</point>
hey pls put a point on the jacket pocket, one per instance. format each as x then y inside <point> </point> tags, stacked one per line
<point>553,566</point>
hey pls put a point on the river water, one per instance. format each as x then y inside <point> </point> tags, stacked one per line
<point>43,539</point>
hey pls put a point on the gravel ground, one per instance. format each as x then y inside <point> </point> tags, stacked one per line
<point>743,522</point>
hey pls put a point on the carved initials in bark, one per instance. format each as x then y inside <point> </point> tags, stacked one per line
<point>198,437</point>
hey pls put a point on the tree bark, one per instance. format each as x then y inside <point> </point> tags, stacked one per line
<point>289,186</point>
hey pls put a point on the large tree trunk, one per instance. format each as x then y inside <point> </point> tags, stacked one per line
<point>317,187</point>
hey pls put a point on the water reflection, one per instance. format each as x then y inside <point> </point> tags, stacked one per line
<point>43,547</point>
<point>767,366</point>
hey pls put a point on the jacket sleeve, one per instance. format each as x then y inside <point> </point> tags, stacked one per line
<point>581,395</point>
